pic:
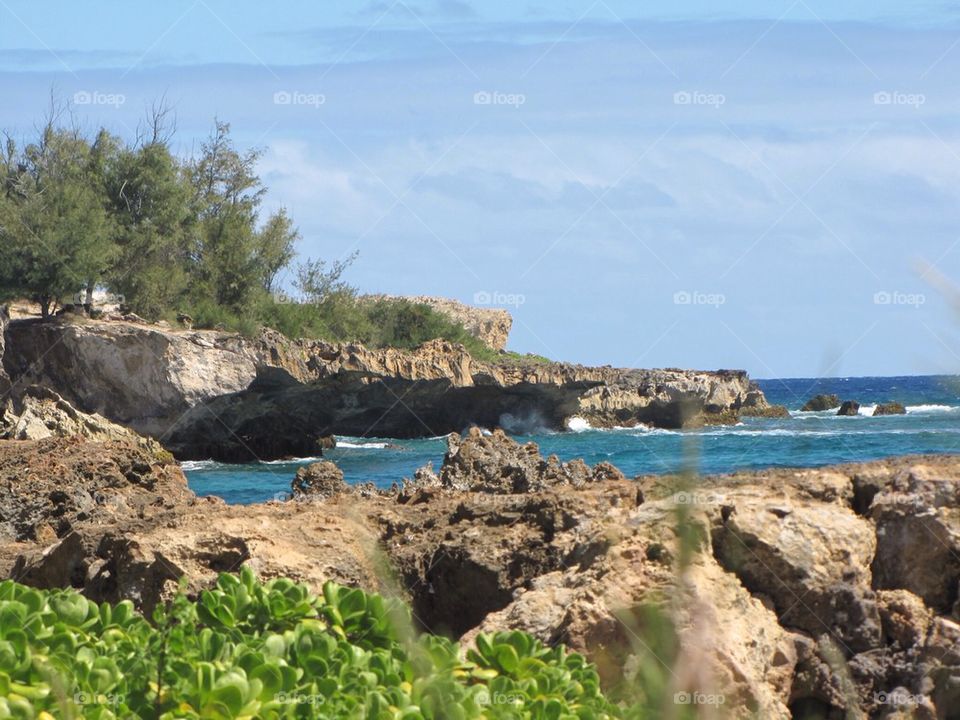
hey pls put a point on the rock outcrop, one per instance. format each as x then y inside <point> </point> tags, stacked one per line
<point>889,408</point>
<point>208,394</point>
<point>820,403</point>
<point>789,593</point>
<point>489,325</point>
<point>318,481</point>
<point>35,413</point>
<point>849,407</point>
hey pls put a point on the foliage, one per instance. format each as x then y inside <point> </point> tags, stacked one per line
<point>173,237</point>
<point>247,649</point>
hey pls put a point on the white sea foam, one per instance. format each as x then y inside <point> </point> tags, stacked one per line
<point>577,424</point>
<point>290,461</point>
<point>195,465</point>
<point>866,410</point>
<point>930,408</point>
<point>363,445</point>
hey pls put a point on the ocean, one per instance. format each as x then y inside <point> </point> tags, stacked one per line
<point>805,439</point>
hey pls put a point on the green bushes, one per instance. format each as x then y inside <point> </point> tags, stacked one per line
<point>270,650</point>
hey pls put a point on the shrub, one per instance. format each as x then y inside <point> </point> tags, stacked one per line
<point>247,649</point>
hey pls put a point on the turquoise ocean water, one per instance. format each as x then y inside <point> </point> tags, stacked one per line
<point>931,425</point>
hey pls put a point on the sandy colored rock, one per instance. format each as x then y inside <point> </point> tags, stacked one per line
<point>318,480</point>
<point>215,394</point>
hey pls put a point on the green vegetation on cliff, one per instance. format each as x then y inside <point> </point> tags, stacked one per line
<point>174,237</point>
<point>250,650</point>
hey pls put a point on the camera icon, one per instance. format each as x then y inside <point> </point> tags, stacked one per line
<point>681,298</point>
<point>482,98</point>
<point>481,298</point>
<point>882,98</point>
<point>682,698</point>
<point>82,98</point>
<point>881,298</point>
<point>682,98</point>
<point>282,97</point>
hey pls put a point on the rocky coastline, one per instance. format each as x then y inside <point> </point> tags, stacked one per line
<point>209,394</point>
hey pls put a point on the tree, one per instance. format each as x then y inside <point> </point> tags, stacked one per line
<point>226,198</point>
<point>55,227</point>
<point>275,247</point>
<point>318,280</point>
<point>149,199</point>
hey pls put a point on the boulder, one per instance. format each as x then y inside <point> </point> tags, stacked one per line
<point>318,480</point>
<point>495,463</point>
<point>916,513</point>
<point>849,407</point>
<point>821,402</point>
<point>811,559</point>
<point>890,408</point>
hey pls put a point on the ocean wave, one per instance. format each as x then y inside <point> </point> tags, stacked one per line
<point>930,408</point>
<point>363,445</point>
<point>577,424</point>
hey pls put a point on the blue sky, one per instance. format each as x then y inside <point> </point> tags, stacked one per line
<point>773,186</point>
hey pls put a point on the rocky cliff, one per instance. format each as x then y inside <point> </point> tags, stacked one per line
<point>828,593</point>
<point>213,394</point>
<point>489,325</point>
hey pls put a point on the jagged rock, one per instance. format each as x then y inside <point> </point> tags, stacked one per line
<point>35,413</point>
<point>904,617</point>
<point>890,408</point>
<point>849,407</point>
<point>821,402</point>
<point>496,463</point>
<point>770,411</point>
<point>318,480</point>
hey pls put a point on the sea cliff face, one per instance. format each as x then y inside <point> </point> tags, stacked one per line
<point>214,394</point>
<point>790,593</point>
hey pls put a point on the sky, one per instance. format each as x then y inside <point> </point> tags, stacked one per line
<point>772,186</point>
